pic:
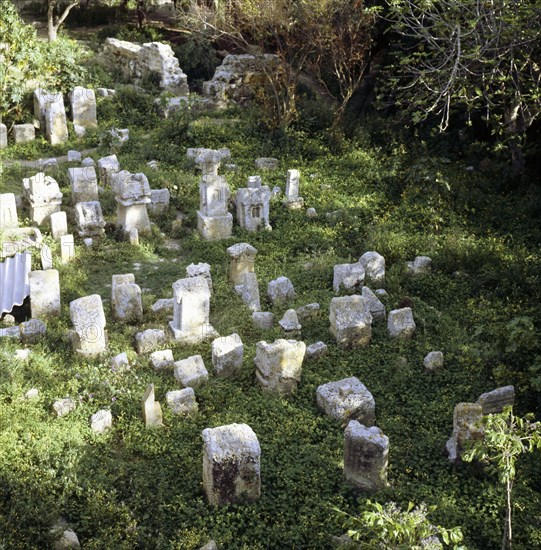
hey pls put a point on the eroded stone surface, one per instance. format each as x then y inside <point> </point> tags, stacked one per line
<point>494,401</point>
<point>191,372</point>
<point>351,321</point>
<point>227,355</point>
<point>466,427</point>
<point>347,399</point>
<point>400,323</point>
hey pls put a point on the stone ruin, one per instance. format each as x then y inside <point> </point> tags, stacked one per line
<point>348,277</point>
<point>214,222</point>
<point>89,336</point>
<point>249,291</point>
<point>107,167</point>
<point>83,110</point>
<point>366,453</point>
<point>280,291</point>
<point>421,265</point>
<point>153,59</point>
<point>23,133</point>
<point>227,355</point>
<point>376,307</point>
<point>50,116</point>
<point>466,427</point>
<point>242,261</point>
<point>159,201</point>
<point>253,206</point>
<point>494,401</point>
<point>400,323</point>
<point>181,402</point>
<point>293,200</point>
<point>126,301</point>
<point>351,321</point>
<point>279,365</point>
<point>191,372</point>
<point>231,464</point>
<point>84,184</point>
<point>132,194</point>
<point>89,218</point>
<point>190,322</point>
<point>208,160</point>
<point>43,195</point>
<point>152,410</point>
<point>8,212</point>
<point>59,225</point>
<point>200,270</point>
<point>374,267</point>
<point>44,293</point>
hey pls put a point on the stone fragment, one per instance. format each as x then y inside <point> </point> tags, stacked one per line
<point>311,213</point>
<point>43,195</point>
<point>242,261</point>
<point>316,350</point>
<point>374,267</point>
<point>159,201</point>
<point>494,401</point>
<point>33,331</point>
<point>433,361</point>
<point>349,277</point>
<point>200,269</point>
<point>191,372</point>
<point>56,128</point>
<point>211,545</point>
<point>64,536</point>
<point>163,304</point>
<point>107,168</point>
<point>346,400</point>
<point>280,291</point>
<point>89,218</point>
<point>162,359</point>
<point>266,163</point>
<point>366,453</point>
<point>89,336</point>
<point>119,136</point>
<point>64,406</point>
<point>231,464</point>
<point>8,320</point>
<point>227,355</point>
<point>44,293</point>
<point>376,307</point>
<point>279,365</point>
<point>32,393</point>
<point>8,212</point>
<point>101,421</point>
<point>3,136</point>
<point>422,265</point>
<point>181,401</point>
<point>22,133</point>
<point>249,291</point>
<point>400,323</point>
<point>84,184</point>
<point>23,354</point>
<point>83,107</point>
<point>351,321</point>
<point>214,222</point>
<point>74,156</point>
<point>149,339</point>
<point>152,410</point>
<point>88,161</point>
<point>263,320</point>
<point>67,248</point>
<point>381,292</point>
<point>308,312</point>
<point>290,323</point>
<point>254,182</point>
<point>253,206</point>
<point>59,225</point>
<point>46,256</point>
<point>208,160</point>
<point>132,194</point>
<point>466,427</point>
<point>126,303</point>
<point>120,363</point>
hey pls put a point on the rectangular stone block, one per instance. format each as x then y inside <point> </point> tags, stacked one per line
<point>44,293</point>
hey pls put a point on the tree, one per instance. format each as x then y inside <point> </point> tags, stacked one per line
<point>483,56</point>
<point>506,438</point>
<point>57,12</point>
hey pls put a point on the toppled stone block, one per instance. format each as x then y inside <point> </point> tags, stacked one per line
<point>351,321</point>
<point>231,464</point>
<point>101,421</point>
<point>23,133</point>
<point>349,277</point>
<point>347,399</point>
<point>466,427</point>
<point>120,363</point>
<point>494,401</point>
<point>33,331</point>
<point>374,267</point>
<point>227,355</point>
<point>163,304</point>
<point>191,372</point>
<point>280,291</point>
<point>400,323</point>
<point>263,320</point>
<point>181,401</point>
<point>162,359</point>
<point>422,265</point>
<point>64,406</point>
<point>152,410</point>
<point>149,340</point>
<point>433,361</point>
<point>376,307</point>
<point>316,350</point>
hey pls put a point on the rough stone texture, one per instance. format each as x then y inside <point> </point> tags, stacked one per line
<point>181,401</point>
<point>308,312</point>
<point>107,167</point>
<point>494,401</point>
<point>374,267</point>
<point>64,537</point>
<point>191,372</point>
<point>351,321</point>
<point>249,291</point>
<point>8,212</point>
<point>44,293</point>
<point>316,350</point>
<point>279,365</point>
<point>254,182</point>
<point>32,393</point>
<point>214,222</point>
<point>347,399</point>
<point>138,62</point>
<point>280,291</point>
<point>211,545</point>
<point>149,339</point>
<point>120,363</point>
<point>366,453</point>
<point>208,160</point>
<point>159,201</point>
<point>253,207</point>
<point>56,128</point>
<point>190,322</point>
<point>75,156</point>
<point>101,421</point>
<point>349,277</point>
<point>10,332</point>
<point>377,309</point>
<point>3,136</point>
<point>126,303</point>
<point>311,213</point>
<point>263,320</point>
<point>266,163</point>
<point>119,136</point>
<point>84,184</point>
<point>162,359</point>
<point>59,225</point>
<point>132,194</point>
<point>67,248</point>
<point>88,161</point>
<point>152,410</point>
<point>89,336</point>
<point>242,261</point>
<point>89,218</point>
<point>64,406</point>
<point>43,195</point>
<point>33,331</point>
<point>400,323</point>
<point>422,265</point>
<point>163,304</point>
<point>466,427</point>
<point>227,355</point>
<point>22,133</point>
<point>290,323</point>
<point>433,361</point>
<point>231,464</point>
<point>200,269</point>
<point>83,107</point>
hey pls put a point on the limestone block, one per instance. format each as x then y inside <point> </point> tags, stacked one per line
<point>466,427</point>
<point>494,401</point>
<point>208,160</point>
<point>280,291</point>
<point>242,261</point>
<point>149,340</point>
<point>433,361</point>
<point>159,201</point>
<point>88,161</point>
<point>374,268</point>
<point>152,410</point>
<point>10,332</point>
<point>32,393</point>
<point>227,355</point>
<point>89,336</point>
<point>67,248</point>
<point>249,291</point>
<point>59,225</point>
<point>366,453</point>
<point>292,184</point>
<point>89,218</point>
<point>101,421</point>
<point>83,107</point>
<point>120,363</point>
<point>349,277</point>
<point>44,196</point>
<point>253,207</point>
<point>263,320</point>
<point>351,321</point>
<point>231,464</point>
<point>75,156</point>
<point>8,212</point>
<point>215,228</point>
<point>3,136</point>
<point>308,312</point>
<point>126,301</point>
<point>200,269</point>
<point>400,323</point>
<point>33,331</point>
<point>56,128</point>
<point>107,167</point>
<point>64,406</point>
<point>162,359</point>
<point>279,365</point>
<point>376,307</point>
<point>316,350</point>
<point>290,323</point>
<point>254,182</point>
<point>22,133</point>
<point>84,184</point>
<point>181,401</point>
<point>191,372</point>
<point>347,399</point>
<point>44,293</point>
<point>422,265</point>
<point>311,213</point>
<point>163,304</point>
<point>266,163</point>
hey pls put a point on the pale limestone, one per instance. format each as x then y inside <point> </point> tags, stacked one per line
<point>351,321</point>
<point>191,372</point>
<point>346,400</point>
<point>227,355</point>
<point>44,293</point>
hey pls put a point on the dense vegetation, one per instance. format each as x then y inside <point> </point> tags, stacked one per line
<point>380,187</point>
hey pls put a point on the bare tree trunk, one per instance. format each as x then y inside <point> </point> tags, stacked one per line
<point>53,24</point>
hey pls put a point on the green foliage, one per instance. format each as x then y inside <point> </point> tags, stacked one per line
<point>198,58</point>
